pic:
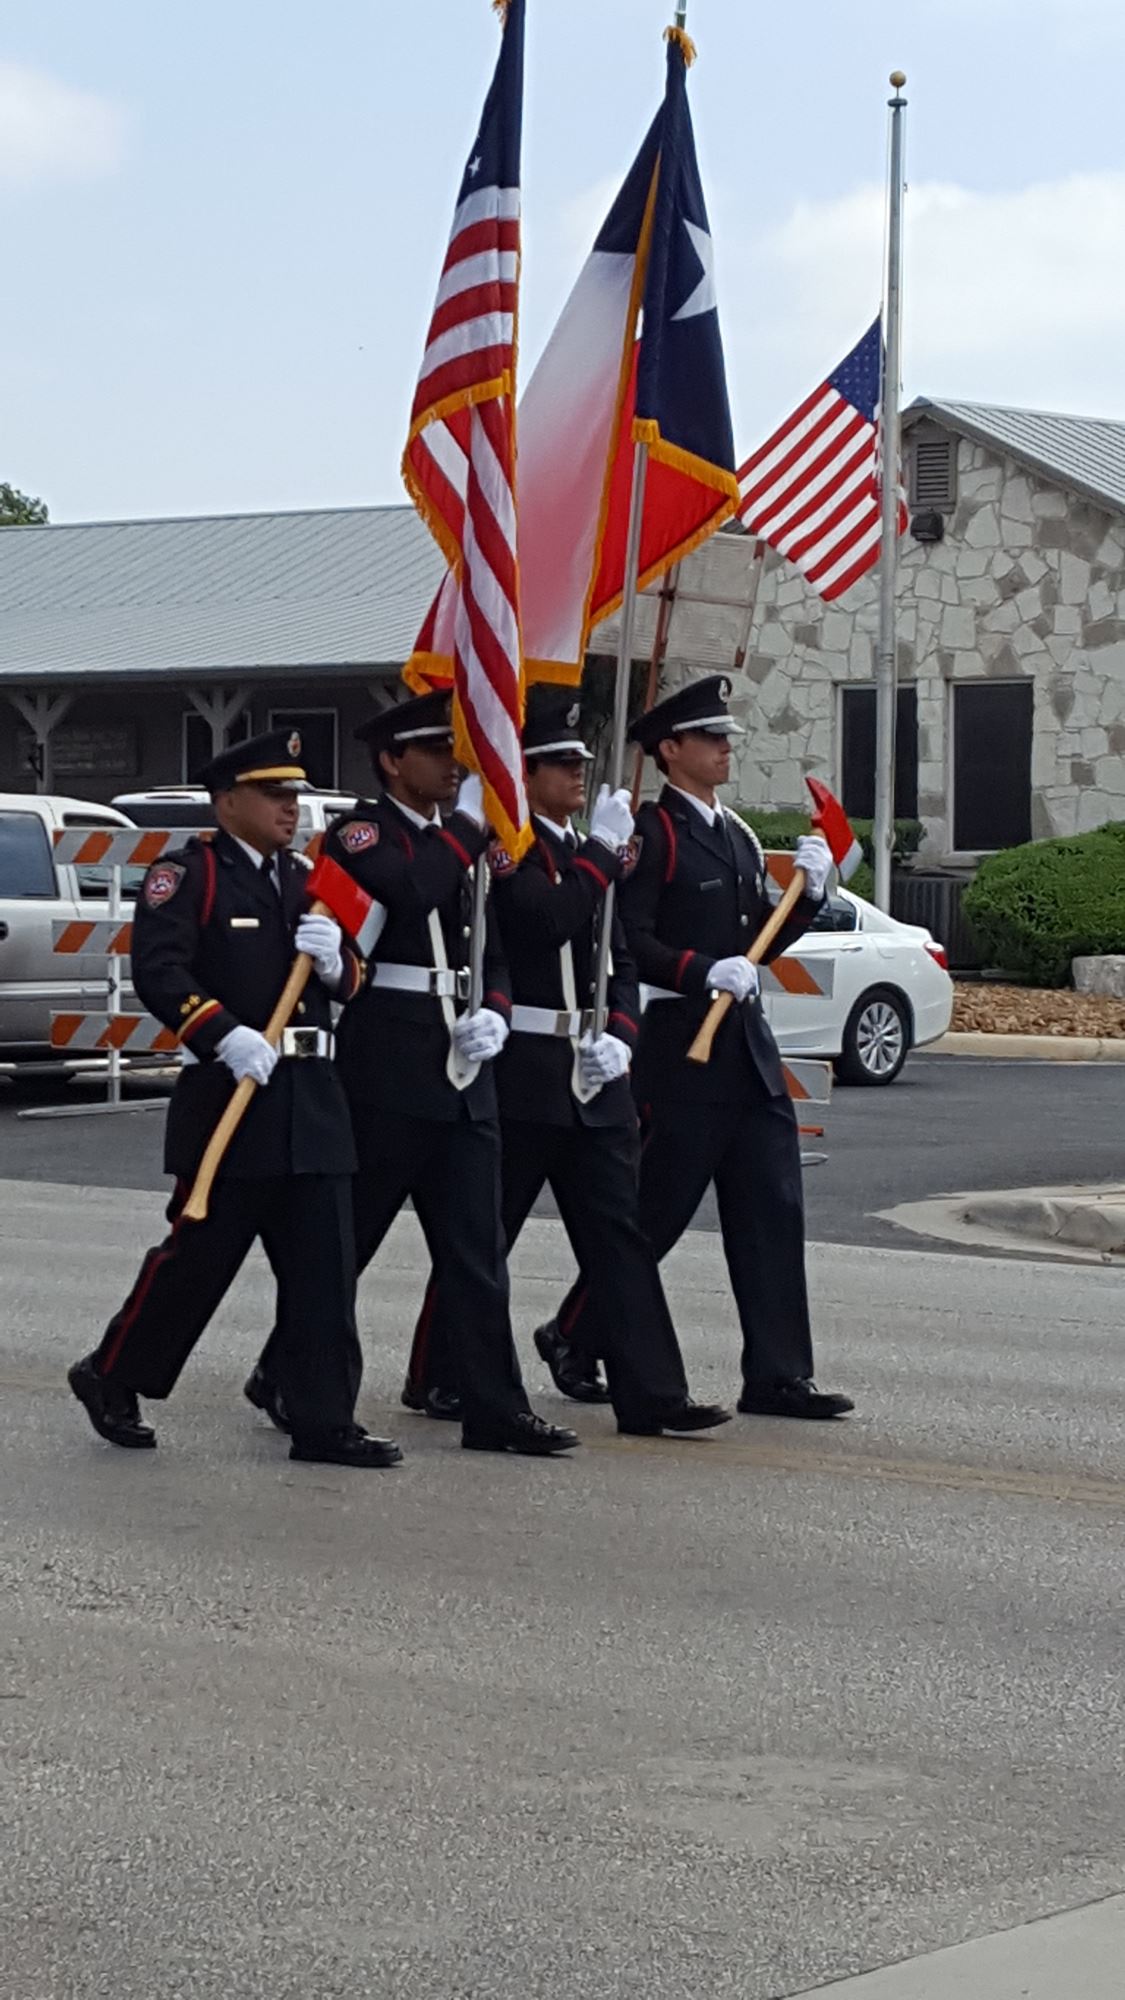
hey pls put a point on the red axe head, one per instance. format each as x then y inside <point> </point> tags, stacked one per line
<point>354,910</point>
<point>831,820</point>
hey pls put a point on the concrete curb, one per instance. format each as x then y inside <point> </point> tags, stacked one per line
<point>1032,1048</point>
<point>1090,1221</point>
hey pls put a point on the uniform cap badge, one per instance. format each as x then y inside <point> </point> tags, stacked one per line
<point>294,744</point>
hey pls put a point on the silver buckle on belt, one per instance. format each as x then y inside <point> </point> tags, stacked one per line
<point>450,984</point>
<point>305,1042</point>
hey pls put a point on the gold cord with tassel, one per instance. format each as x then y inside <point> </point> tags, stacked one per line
<point>683,42</point>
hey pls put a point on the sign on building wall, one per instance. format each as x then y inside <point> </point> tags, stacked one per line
<point>80,750</point>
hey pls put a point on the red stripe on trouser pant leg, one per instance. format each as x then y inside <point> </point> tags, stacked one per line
<point>419,1353</point>
<point>130,1311</point>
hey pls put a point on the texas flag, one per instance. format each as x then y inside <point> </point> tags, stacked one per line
<point>636,355</point>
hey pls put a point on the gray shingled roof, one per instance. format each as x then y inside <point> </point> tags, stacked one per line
<point>1084,453</point>
<point>317,592</point>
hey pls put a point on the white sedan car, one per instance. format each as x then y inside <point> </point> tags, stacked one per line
<point>890,992</point>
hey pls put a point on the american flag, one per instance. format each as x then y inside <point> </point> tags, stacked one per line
<point>813,491</point>
<point>459,463</point>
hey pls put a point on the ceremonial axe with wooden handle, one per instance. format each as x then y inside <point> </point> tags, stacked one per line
<point>829,819</point>
<point>334,894</point>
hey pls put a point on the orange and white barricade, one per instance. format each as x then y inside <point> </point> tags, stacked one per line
<point>107,1033</point>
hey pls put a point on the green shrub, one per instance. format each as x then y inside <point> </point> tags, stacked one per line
<point>1034,908</point>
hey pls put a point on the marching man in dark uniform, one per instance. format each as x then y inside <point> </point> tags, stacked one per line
<point>566,1112</point>
<point>692,908</point>
<point>215,931</point>
<point>418,1069</point>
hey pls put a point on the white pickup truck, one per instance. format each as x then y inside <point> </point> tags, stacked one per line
<point>35,891</point>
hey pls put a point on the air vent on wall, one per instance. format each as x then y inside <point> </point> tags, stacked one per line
<point>933,473</point>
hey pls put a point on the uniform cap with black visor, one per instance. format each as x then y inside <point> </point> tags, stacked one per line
<point>700,708</point>
<point>272,761</point>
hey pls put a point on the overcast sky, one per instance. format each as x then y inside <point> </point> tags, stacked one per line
<point>222,224</point>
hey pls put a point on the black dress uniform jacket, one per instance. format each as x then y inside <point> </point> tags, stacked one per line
<point>553,897</point>
<point>697,894</point>
<point>393,1045</point>
<point>212,949</point>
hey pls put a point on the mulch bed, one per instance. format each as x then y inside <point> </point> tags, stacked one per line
<point>1028,1010</point>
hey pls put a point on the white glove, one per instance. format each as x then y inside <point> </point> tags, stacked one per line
<point>814,855</point>
<point>246,1053</point>
<point>734,975</point>
<point>470,798</point>
<point>479,1037</point>
<point>611,821</point>
<point>601,1059</point>
<point>320,938</point>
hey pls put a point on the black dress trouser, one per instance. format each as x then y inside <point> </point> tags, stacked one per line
<point>451,1172</point>
<point>592,1173</point>
<point>305,1224</point>
<point>749,1147</point>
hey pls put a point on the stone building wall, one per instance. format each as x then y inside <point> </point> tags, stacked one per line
<point>1029,583</point>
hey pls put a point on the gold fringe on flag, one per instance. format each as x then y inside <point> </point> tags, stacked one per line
<point>683,42</point>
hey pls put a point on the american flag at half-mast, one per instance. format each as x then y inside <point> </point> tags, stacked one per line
<point>459,463</point>
<point>813,491</point>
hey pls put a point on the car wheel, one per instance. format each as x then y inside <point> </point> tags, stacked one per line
<point>876,1039</point>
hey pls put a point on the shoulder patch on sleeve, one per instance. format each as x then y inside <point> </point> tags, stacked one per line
<point>500,861</point>
<point>630,854</point>
<point>162,882</point>
<point>358,835</point>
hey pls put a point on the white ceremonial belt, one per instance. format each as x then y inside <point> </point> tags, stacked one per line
<point>304,1042</point>
<point>545,1021</point>
<point>658,993</point>
<point>445,982</point>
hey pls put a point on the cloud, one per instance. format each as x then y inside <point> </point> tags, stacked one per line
<point>1011,297</point>
<point>50,131</point>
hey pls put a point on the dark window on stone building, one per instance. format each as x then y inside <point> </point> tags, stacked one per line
<point>933,474</point>
<point>197,747</point>
<point>992,727</point>
<point>857,752</point>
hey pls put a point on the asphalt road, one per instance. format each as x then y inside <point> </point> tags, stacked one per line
<point>739,1717</point>
<point>945,1127</point>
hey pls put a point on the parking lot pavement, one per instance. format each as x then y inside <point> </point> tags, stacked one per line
<point>740,1716</point>
<point>945,1127</point>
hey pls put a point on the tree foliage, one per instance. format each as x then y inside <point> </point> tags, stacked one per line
<point>20,510</point>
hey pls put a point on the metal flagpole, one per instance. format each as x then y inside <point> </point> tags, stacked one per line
<point>886,663</point>
<point>621,706</point>
<point>624,672</point>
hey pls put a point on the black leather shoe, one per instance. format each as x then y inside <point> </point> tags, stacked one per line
<point>412,1398</point>
<point>261,1392</point>
<point>793,1399</point>
<point>114,1412</point>
<point>526,1433</point>
<point>349,1446</point>
<point>688,1416</point>
<point>572,1374</point>
<point>444,1405</point>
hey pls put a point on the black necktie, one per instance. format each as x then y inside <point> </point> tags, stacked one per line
<point>269,870</point>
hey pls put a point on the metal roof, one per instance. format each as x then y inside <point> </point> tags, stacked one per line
<point>1084,453</point>
<point>314,593</point>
